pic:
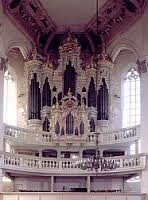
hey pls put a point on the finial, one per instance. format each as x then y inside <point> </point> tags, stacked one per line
<point>34,51</point>
<point>35,54</point>
<point>47,63</point>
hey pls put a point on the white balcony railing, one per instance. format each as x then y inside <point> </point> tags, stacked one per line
<point>48,165</point>
<point>118,136</point>
<point>32,137</point>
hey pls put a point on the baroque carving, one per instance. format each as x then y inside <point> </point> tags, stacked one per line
<point>32,18</point>
<point>69,114</point>
<point>115,17</point>
<point>70,51</point>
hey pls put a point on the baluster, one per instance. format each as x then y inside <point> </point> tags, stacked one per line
<point>48,164</point>
<point>60,163</point>
<point>51,164</point>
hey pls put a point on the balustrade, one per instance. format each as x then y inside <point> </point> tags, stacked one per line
<point>29,136</point>
<point>122,135</point>
<point>122,163</point>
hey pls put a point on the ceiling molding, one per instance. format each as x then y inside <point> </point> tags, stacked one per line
<point>31,18</point>
<point>115,17</point>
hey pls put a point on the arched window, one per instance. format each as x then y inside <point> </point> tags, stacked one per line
<point>10,110</point>
<point>131,99</point>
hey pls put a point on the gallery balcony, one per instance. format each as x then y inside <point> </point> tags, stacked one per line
<point>34,164</point>
<point>23,136</point>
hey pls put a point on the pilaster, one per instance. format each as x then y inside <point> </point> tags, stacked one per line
<point>2,68</point>
<point>1,180</point>
<point>88,184</point>
<point>142,67</point>
<point>52,183</point>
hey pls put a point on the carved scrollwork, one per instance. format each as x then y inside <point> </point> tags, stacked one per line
<point>70,51</point>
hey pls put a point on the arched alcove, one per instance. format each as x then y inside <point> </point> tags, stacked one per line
<point>122,46</point>
<point>15,66</point>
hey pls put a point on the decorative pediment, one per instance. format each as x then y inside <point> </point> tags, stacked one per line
<point>69,46</point>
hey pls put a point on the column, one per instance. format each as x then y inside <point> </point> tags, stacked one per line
<point>101,152</point>
<point>88,184</point>
<point>80,153</point>
<point>144,125</point>
<point>40,153</point>
<point>1,180</point>
<point>52,184</point>
<point>136,147</point>
<point>2,67</point>
<point>58,153</point>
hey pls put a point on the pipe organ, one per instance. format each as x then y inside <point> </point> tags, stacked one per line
<point>68,100</point>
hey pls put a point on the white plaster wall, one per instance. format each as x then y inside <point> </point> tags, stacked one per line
<point>132,187</point>
<point>69,182</point>
<point>123,62</point>
<point>32,183</point>
<point>65,183</point>
<point>106,184</point>
<point>71,196</point>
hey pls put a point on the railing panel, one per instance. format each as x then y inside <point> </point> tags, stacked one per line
<point>122,163</point>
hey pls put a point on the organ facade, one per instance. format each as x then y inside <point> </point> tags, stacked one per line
<point>68,100</point>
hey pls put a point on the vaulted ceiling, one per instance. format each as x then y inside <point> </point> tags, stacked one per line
<point>45,22</point>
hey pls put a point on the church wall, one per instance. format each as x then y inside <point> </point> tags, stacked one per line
<point>65,183</point>
<point>132,186</point>
<point>32,183</point>
<point>106,184</point>
<point>124,61</point>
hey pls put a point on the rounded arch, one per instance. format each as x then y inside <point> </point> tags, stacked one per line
<point>128,45</point>
<point>24,47</point>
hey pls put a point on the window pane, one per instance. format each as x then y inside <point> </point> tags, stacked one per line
<point>131,101</point>
<point>9,113</point>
